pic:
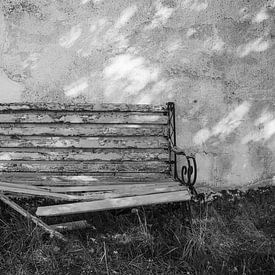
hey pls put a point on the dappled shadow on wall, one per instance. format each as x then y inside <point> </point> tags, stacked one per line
<point>263,128</point>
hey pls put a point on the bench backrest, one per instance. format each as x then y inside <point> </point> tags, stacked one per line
<point>83,139</point>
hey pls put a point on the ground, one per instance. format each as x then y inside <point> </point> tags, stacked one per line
<point>231,234</point>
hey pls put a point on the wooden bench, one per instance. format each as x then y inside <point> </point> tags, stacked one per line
<point>91,157</point>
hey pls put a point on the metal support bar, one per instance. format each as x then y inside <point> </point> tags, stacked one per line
<point>188,173</point>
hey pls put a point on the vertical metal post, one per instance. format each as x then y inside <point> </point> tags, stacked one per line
<point>172,135</point>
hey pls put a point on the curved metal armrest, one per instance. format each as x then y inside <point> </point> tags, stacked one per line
<point>188,175</point>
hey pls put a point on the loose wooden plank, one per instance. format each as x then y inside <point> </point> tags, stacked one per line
<point>24,186</point>
<point>108,204</point>
<point>82,130</point>
<point>81,154</point>
<point>94,117</point>
<point>81,142</point>
<point>85,166</point>
<point>88,179</point>
<point>47,194</point>
<point>90,195</point>
<point>90,192</point>
<point>103,107</point>
<point>126,192</point>
<point>119,188</point>
<point>67,226</point>
<point>35,220</point>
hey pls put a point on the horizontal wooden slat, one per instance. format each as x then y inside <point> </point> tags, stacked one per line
<point>95,192</point>
<point>80,154</point>
<point>94,117</point>
<point>33,192</point>
<point>108,204</point>
<point>85,166</point>
<point>24,186</point>
<point>108,107</point>
<point>81,142</point>
<point>85,130</point>
<point>88,179</point>
<point>127,193</point>
<point>118,188</point>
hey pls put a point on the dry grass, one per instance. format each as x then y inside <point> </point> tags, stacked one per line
<point>231,235</point>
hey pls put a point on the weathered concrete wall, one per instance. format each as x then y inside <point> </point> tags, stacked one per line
<point>214,58</point>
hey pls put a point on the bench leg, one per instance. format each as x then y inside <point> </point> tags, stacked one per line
<point>187,214</point>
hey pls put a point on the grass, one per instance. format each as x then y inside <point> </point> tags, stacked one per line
<point>233,234</point>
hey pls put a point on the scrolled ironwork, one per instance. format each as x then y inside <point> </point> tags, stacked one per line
<point>189,172</point>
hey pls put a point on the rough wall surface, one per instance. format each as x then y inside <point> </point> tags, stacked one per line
<point>214,58</point>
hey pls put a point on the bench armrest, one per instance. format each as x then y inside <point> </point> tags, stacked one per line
<point>188,172</point>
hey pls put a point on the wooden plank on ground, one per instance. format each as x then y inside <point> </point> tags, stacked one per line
<point>106,154</point>
<point>84,166</point>
<point>82,130</point>
<point>95,117</point>
<point>35,220</point>
<point>108,204</point>
<point>66,226</point>
<point>82,142</point>
<point>61,107</point>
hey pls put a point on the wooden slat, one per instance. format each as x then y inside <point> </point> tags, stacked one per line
<point>67,226</point>
<point>88,196</point>
<point>85,166</point>
<point>78,154</point>
<point>47,194</point>
<point>67,194</point>
<point>93,192</point>
<point>127,192</point>
<point>94,117</point>
<point>108,204</point>
<point>89,179</point>
<point>24,186</point>
<point>84,130</point>
<point>81,142</point>
<point>103,107</point>
<point>119,188</point>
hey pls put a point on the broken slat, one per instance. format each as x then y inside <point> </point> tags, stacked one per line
<point>61,107</point>
<point>34,219</point>
<point>123,191</point>
<point>116,188</point>
<point>108,204</point>
<point>68,226</point>
<point>33,192</point>
<point>120,193</point>
<point>83,142</point>
<point>106,154</point>
<point>22,186</point>
<point>84,118</point>
<point>85,166</point>
<point>82,130</point>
